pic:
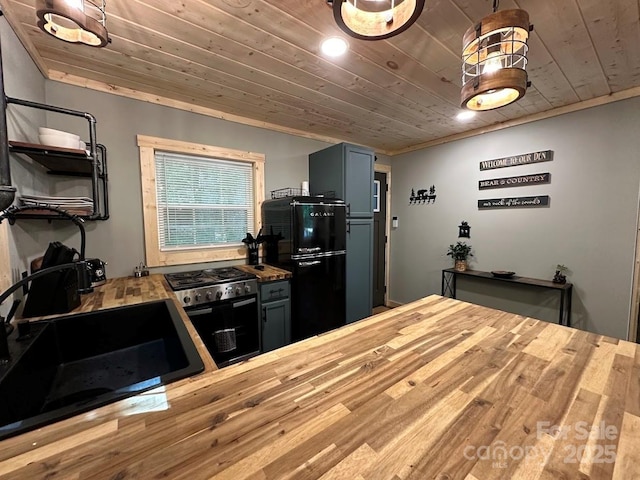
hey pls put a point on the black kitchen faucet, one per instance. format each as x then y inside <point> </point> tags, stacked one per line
<point>81,266</point>
<point>84,286</point>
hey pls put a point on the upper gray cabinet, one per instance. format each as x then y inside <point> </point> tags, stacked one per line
<point>346,170</point>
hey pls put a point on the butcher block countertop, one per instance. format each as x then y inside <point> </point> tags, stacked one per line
<point>434,389</point>
<point>269,274</point>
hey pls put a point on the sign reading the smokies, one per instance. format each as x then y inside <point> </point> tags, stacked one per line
<point>520,181</point>
<point>514,202</point>
<point>524,159</point>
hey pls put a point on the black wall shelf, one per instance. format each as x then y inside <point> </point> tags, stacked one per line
<point>91,164</point>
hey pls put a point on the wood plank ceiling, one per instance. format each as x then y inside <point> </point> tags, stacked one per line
<point>258,62</point>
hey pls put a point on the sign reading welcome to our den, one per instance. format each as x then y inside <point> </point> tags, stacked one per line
<point>514,202</point>
<point>524,159</point>
<point>520,181</point>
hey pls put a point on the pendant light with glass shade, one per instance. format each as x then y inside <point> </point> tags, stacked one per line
<point>375,19</point>
<point>74,21</point>
<point>494,60</point>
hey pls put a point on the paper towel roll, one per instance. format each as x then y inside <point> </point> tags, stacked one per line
<point>305,188</point>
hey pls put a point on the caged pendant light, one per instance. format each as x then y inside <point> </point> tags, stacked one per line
<point>74,21</point>
<point>494,60</point>
<point>375,19</point>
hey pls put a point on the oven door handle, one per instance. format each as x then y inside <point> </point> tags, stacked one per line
<point>198,312</point>
<point>244,303</point>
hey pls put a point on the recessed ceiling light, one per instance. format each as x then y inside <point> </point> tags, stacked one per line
<point>466,115</point>
<point>334,46</point>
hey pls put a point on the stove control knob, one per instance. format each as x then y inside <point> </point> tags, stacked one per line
<point>208,295</point>
<point>198,296</point>
<point>238,291</point>
<point>247,288</point>
<point>187,299</point>
<point>218,294</point>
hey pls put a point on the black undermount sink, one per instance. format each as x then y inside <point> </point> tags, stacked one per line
<point>75,363</point>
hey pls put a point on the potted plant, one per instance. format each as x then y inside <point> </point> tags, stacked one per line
<point>460,252</point>
<point>560,277</point>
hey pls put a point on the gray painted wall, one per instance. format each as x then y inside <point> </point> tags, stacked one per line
<point>119,240</point>
<point>590,225</point>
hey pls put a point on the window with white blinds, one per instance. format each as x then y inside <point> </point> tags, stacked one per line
<point>202,202</point>
<point>198,201</point>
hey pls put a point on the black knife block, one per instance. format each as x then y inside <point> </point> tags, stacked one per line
<point>271,248</point>
<point>252,255</point>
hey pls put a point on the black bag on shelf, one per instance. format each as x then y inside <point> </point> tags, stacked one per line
<point>56,292</point>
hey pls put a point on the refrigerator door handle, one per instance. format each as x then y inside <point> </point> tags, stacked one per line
<point>310,250</point>
<point>309,264</point>
<point>348,226</point>
<point>348,209</point>
<point>318,255</point>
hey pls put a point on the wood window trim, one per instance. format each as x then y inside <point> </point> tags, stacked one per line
<point>154,256</point>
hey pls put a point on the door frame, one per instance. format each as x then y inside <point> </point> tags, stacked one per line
<point>635,292</point>
<point>386,169</point>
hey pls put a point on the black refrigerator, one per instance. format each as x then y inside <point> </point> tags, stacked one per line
<point>307,236</point>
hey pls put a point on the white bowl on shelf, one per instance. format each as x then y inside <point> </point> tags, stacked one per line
<point>59,133</point>
<point>59,141</point>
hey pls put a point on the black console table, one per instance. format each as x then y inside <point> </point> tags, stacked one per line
<point>449,276</point>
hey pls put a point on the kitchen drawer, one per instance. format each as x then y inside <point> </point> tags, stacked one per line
<point>274,291</point>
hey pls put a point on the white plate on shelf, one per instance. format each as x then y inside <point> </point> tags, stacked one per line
<point>59,141</point>
<point>60,133</point>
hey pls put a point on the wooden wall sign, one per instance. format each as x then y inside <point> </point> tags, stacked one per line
<point>524,159</point>
<point>520,181</point>
<point>514,202</point>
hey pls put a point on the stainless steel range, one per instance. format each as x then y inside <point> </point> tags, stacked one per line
<point>222,304</point>
<point>205,286</point>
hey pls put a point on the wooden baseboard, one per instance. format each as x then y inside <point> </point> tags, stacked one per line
<point>392,304</point>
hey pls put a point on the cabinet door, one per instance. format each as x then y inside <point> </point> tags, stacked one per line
<point>276,325</point>
<point>326,172</point>
<point>358,171</point>
<point>318,295</point>
<point>359,269</point>
<point>346,170</point>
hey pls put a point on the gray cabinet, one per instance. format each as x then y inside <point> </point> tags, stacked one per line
<point>275,307</point>
<point>359,268</point>
<point>347,170</point>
